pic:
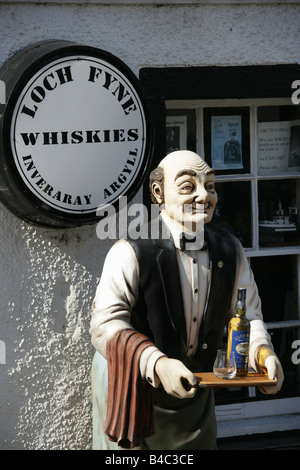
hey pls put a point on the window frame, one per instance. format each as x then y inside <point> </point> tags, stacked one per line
<point>253,177</point>
<point>193,87</point>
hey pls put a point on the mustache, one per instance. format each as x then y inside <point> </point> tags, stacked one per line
<point>195,207</point>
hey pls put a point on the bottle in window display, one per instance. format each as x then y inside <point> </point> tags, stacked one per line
<point>239,334</point>
<point>232,150</point>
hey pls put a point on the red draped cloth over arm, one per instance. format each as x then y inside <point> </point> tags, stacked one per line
<point>129,414</point>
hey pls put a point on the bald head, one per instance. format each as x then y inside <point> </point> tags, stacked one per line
<point>185,185</point>
<point>176,161</point>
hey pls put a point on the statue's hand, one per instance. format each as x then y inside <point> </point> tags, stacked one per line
<point>269,363</point>
<point>173,374</point>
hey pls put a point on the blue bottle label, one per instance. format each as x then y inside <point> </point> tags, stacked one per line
<point>240,347</point>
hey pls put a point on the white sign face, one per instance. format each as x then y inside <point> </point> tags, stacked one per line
<point>78,134</point>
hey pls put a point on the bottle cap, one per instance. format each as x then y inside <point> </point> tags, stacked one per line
<point>242,294</point>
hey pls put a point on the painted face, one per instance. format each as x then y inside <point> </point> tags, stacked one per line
<point>189,189</point>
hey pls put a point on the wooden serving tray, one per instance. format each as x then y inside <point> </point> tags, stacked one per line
<point>252,379</point>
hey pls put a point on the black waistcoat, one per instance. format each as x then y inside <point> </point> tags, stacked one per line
<point>159,312</point>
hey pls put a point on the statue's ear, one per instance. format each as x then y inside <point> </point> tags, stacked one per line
<point>157,192</point>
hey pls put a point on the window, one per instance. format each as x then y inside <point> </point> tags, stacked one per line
<point>242,120</point>
<point>254,146</point>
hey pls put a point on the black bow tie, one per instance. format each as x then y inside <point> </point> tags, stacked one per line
<point>186,239</point>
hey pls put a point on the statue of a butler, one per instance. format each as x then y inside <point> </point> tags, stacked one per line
<point>159,315</point>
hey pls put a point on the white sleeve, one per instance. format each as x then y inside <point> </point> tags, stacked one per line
<point>116,296</point>
<point>258,331</point>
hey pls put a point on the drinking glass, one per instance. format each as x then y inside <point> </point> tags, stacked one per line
<point>223,368</point>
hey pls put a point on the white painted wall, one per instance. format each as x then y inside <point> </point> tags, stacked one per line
<point>48,277</point>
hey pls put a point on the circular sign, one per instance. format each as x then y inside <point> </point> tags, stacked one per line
<point>76,134</point>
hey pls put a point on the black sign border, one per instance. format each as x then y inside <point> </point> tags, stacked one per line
<point>16,73</point>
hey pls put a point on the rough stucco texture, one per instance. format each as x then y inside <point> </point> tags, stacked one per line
<point>48,277</point>
<point>162,35</point>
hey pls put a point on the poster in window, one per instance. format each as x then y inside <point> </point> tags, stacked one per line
<point>226,142</point>
<point>278,146</point>
<point>176,133</point>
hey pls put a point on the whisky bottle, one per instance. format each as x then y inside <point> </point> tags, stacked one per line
<point>239,334</point>
<point>232,150</point>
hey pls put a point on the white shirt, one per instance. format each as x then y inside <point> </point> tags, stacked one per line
<point>117,294</point>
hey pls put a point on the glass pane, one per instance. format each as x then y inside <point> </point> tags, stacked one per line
<point>279,214</point>
<point>278,141</point>
<point>276,279</point>
<point>180,130</point>
<point>233,211</point>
